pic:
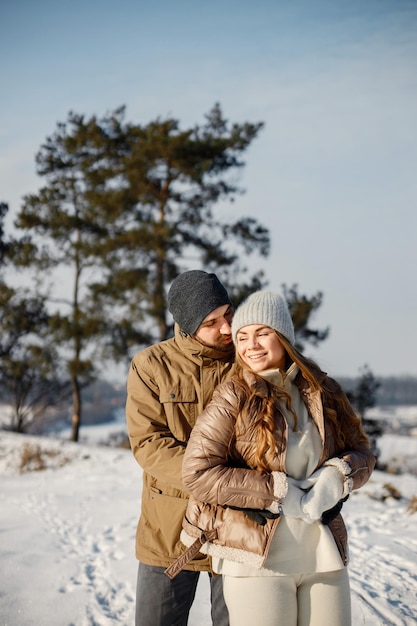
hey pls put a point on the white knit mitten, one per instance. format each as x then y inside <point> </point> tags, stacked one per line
<point>327,490</point>
<point>291,504</point>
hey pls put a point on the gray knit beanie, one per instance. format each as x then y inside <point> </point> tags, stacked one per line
<point>264,307</point>
<point>192,296</point>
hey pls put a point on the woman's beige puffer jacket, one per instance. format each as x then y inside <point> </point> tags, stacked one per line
<point>217,471</point>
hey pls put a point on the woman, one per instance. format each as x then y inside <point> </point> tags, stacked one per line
<point>268,465</point>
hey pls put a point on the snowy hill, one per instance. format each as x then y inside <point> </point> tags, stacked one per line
<point>67,538</point>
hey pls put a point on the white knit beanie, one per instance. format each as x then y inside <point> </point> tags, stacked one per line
<point>264,307</point>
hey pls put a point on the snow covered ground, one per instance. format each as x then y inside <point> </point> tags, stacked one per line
<point>67,536</point>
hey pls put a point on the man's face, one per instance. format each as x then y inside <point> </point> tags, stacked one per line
<point>214,331</point>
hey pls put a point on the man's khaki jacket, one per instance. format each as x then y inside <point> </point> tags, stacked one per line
<point>169,385</point>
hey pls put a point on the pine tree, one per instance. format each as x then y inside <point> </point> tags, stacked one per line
<point>124,209</point>
<point>29,379</point>
<point>301,308</point>
<point>164,219</point>
<point>363,397</point>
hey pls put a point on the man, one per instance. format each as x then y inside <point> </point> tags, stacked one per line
<point>169,384</point>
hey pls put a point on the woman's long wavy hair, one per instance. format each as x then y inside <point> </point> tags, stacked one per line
<point>261,428</point>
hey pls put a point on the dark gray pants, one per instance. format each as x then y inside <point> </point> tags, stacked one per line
<point>161,601</point>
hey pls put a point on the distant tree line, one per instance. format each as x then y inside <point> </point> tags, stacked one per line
<point>368,391</point>
<point>363,397</point>
<point>123,209</point>
<point>391,391</point>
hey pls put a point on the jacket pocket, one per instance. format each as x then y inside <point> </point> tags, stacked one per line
<point>177,392</point>
<point>180,406</point>
<point>161,523</point>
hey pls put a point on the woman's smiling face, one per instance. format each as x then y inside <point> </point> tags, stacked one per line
<point>259,348</point>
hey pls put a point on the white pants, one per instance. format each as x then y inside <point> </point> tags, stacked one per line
<point>321,599</point>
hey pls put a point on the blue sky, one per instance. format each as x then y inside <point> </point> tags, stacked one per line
<point>333,174</point>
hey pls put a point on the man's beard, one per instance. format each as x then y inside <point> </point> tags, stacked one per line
<point>221,346</point>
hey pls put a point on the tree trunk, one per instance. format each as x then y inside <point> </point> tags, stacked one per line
<point>76,408</point>
<point>159,295</point>
<point>75,385</point>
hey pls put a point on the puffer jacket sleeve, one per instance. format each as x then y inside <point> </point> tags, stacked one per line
<point>208,472</point>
